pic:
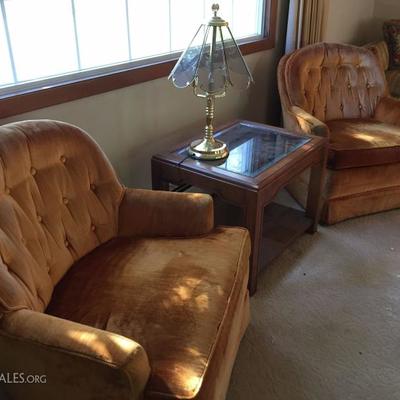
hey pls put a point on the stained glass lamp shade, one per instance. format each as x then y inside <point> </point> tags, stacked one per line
<point>211,64</point>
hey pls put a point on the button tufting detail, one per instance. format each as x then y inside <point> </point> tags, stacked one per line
<point>360,106</point>
<point>48,182</point>
<point>340,76</point>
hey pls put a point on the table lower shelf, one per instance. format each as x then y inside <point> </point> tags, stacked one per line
<point>282,226</point>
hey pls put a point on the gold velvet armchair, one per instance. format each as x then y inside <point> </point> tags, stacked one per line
<point>109,292</point>
<point>339,91</point>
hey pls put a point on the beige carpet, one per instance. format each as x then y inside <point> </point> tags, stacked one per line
<point>326,318</point>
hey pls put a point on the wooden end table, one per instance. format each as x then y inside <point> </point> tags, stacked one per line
<point>262,160</point>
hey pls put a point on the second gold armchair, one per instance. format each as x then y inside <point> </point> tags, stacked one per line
<point>340,91</point>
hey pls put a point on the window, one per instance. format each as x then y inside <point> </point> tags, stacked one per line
<point>48,43</point>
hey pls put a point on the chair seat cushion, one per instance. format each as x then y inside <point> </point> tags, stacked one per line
<point>169,295</point>
<point>361,143</point>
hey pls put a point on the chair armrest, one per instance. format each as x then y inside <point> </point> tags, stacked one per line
<point>381,52</point>
<point>388,111</point>
<point>159,213</point>
<point>308,123</point>
<point>34,342</point>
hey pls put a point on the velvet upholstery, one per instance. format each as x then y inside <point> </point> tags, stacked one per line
<point>381,51</point>
<point>362,143</point>
<point>113,293</point>
<point>59,200</point>
<point>332,81</point>
<point>354,191</point>
<point>308,123</point>
<point>339,91</point>
<point>147,213</point>
<point>77,360</point>
<point>177,317</point>
<point>388,111</point>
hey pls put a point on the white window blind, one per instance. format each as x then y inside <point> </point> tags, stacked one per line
<point>50,41</point>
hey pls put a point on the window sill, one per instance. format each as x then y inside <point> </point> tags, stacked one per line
<point>30,100</point>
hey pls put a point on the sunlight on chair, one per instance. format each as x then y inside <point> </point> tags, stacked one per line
<point>106,347</point>
<point>304,125</point>
<point>194,352</point>
<point>183,292</point>
<point>188,291</point>
<point>196,196</point>
<point>125,344</point>
<point>202,302</point>
<point>190,379</point>
<point>193,382</point>
<point>367,137</point>
<point>91,341</point>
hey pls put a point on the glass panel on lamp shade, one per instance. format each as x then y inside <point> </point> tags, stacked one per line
<point>185,69</point>
<point>239,75</point>
<point>212,73</point>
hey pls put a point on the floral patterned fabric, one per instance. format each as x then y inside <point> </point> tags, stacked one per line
<point>391,32</point>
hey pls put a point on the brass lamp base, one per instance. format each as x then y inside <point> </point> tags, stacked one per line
<point>208,149</point>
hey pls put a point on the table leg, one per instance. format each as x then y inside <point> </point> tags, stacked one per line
<point>314,198</point>
<point>253,221</point>
<point>157,182</point>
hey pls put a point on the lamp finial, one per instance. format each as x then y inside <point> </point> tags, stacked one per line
<point>215,8</point>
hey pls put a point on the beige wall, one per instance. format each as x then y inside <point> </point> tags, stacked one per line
<point>359,21</point>
<point>387,9</point>
<point>133,123</point>
<point>384,9</point>
<point>349,21</point>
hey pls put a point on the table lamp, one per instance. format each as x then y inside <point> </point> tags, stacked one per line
<point>210,64</point>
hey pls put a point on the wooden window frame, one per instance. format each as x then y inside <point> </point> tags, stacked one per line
<point>29,100</point>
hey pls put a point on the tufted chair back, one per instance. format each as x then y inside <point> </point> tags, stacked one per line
<point>59,199</point>
<point>332,81</point>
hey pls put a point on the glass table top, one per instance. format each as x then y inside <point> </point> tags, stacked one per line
<point>255,147</point>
